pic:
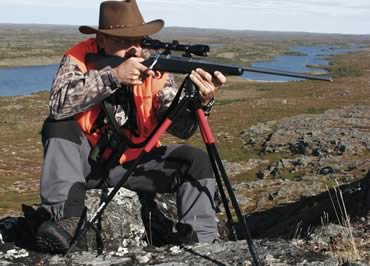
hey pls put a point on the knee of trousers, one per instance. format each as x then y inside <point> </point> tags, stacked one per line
<point>63,185</point>
<point>196,163</point>
<point>72,206</point>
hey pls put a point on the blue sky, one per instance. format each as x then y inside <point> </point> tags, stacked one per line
<point>324,16</point>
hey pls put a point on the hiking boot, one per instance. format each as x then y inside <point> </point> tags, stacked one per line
<point>55,237</point>
<point>161,230</point>
<point>184,234</point>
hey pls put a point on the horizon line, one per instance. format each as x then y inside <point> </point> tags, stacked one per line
<point>196,28</point>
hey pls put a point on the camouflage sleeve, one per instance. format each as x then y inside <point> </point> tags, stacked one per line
<point>73,91</point>
<point>165,96</point>
<point>185,124</point>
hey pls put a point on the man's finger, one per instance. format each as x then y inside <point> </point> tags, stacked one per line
<point>136,82</point>
<point>143,69</point>
<point>137,59</point>
<point>202,77</point>
<point>198,81</point>
<point>205,75</point>
<point>220,77</point>
<point>148,72</point>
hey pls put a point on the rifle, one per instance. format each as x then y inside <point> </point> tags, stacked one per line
<point>166,62</point>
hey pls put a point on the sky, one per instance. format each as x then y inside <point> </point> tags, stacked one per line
<point>322,16</point>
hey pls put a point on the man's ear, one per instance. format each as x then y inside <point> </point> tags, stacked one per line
<point>100,43</point>
<point>100,40</point>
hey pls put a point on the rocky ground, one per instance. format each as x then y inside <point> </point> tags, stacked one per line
<point>126,246</point>
<point>325,149</point>
<point>321,151</point>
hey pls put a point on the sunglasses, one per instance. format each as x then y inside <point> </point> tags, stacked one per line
<point>127,42</point>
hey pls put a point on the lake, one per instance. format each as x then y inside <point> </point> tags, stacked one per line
<point>26,80</point>
<point>308,56</point>
<point>16,81</point>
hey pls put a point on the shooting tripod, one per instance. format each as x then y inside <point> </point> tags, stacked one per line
<point>190,99</point>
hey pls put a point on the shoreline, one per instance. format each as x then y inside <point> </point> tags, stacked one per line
<point>312,66</point>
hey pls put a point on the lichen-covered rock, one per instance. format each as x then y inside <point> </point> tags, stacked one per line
<point>121,220</point>
<point>277,252</point>
<point>335,132</point>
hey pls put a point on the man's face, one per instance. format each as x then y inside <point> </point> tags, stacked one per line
<point>120,46</point>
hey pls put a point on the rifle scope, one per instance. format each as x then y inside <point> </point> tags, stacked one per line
<point>196,49</point>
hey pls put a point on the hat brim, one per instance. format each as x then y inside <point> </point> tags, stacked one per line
<point>134,31</point>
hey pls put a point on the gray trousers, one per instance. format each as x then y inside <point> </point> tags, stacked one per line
<point>182,169</point>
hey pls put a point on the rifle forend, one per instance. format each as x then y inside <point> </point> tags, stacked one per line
<point>184,65</point>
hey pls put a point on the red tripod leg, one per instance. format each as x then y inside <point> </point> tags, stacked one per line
<point>204,127</point>
<point>219,170</point>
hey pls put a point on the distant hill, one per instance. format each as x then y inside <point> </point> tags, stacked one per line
<point>183,32</point>
<point>257,35</point>
<point>38,44</point>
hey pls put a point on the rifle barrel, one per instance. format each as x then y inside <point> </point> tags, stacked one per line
<point>286,73</point>
<point>184,65</point>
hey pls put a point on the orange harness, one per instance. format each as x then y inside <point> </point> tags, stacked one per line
<point>143,98</point>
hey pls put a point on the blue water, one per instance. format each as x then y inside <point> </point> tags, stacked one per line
<point>310,55</point>
<point>26,80</point>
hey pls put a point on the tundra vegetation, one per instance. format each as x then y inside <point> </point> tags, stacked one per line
<point>240,105</point>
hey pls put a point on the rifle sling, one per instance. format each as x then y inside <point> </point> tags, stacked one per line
<point>113,138</point>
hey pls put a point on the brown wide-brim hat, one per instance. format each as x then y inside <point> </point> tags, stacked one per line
<point>123,19</point>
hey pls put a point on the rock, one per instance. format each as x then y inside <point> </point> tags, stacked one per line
<point>317,152</point>
<point>335,132</point>
<point>143,258</point>
<point>222,253</point>
<point>234,168</point>
<point>121,220</point>
<point>340,149</point>
<point>326,170</point>
<point>257,134</point>
<point>308,213</point>
<point>271,251</point>
<point>260,175</point>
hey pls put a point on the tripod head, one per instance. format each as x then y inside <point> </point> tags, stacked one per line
<point>196,49</point>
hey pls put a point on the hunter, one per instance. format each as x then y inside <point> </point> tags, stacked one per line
<point>139,97</point>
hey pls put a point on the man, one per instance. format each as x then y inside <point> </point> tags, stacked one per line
<point>139,98</point>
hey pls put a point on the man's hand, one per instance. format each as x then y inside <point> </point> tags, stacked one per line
<point>132,72</point>
<point>207,84</point>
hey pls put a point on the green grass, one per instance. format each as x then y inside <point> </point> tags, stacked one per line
<point>12,200</point>
<point>264,89</point>
<point>288,174</point>
<point>345,71</point>
<point>228,101</point>
<point>313,110</point>
<point>327,183</point>
<point>294,53</point>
